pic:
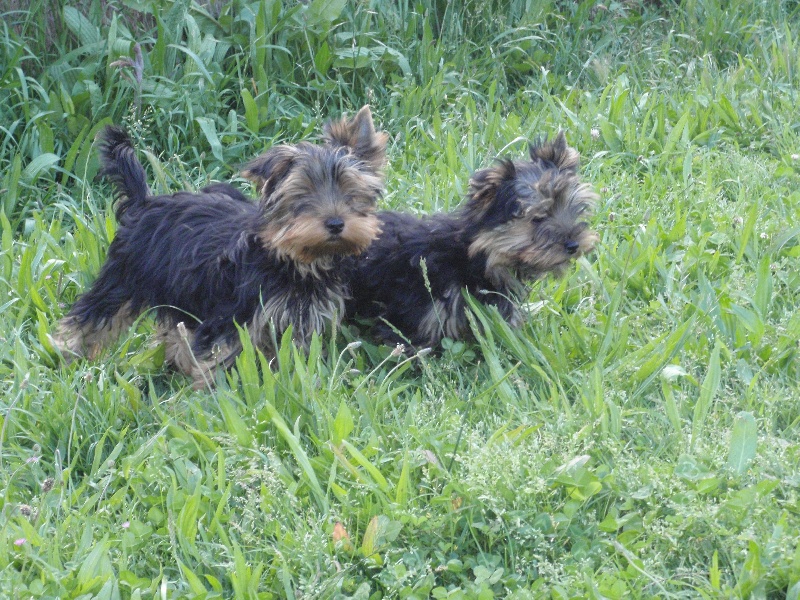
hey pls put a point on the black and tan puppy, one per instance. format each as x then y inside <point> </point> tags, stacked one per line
<point>207,261</point>
<point>522,219</point>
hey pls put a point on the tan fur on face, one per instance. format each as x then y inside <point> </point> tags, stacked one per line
<point>552,258</point>
<point>74,340</point>
<point>533,244</point>
<point>513,246</point>
<point>306,240</point>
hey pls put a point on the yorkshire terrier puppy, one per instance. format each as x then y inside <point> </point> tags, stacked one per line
<point>207,261</point>
<point>521,221</point>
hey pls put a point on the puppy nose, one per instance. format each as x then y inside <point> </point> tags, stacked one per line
<point>571,247</point>
<point>334,225</point>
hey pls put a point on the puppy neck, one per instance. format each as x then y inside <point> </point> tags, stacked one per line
<point>319,268</point>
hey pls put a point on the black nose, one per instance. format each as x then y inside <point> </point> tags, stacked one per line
<point>571,246</point>
<point>335,225</point>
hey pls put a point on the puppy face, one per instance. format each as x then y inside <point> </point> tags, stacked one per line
<point>323,205</point>
<point>529,216</point>
<point>320,201</point>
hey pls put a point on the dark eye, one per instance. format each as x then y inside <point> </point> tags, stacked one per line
<point>300,208</point>
<point>525,192</point>
<point>520,210</point>
<point>359,202</point>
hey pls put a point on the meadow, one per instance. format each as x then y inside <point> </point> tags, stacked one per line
<point>638,437</point>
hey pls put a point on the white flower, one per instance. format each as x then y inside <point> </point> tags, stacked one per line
<point>672,372</point>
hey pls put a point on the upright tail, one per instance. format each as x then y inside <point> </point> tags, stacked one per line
<point>118,163</point>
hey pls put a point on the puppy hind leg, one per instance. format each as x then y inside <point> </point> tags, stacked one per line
<point>97,317</point>
<point>76,338</point>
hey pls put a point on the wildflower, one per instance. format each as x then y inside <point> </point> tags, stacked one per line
<point>672,372</point>
<point>340,536</point>
<point>430,457</point>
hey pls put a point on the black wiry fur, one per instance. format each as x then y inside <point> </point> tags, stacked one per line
<point>521,220</point>
<point>214,259</point>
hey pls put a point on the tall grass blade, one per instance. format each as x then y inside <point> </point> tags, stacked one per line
<point>708,390</point>
<point>744,439</point>
<point>299,455</point>
<point>234,424</point>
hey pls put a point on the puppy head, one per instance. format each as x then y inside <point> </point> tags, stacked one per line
<point>529,216</point>
<point>316,201</point>
<point>319,200</point>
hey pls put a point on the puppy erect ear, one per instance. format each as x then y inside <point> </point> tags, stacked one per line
<point>556,152</point>
<point>269,168</point>
<point>359,135</point>
<point>485,184</point>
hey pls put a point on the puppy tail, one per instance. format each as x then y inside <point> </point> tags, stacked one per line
<point>119,164</point>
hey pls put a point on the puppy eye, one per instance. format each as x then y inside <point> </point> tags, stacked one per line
<point>520,210</point>
<point>301,207</point>
<point>361,201</point>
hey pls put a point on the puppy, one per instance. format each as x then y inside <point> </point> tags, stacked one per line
<point>208,261</point>
<point>521,221</point>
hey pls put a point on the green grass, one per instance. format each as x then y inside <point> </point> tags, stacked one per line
<point>638,437</point>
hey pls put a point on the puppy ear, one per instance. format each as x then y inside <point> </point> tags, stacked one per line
<point>359,136</point>
<point>484,185</point>
<point>269,168</point>
<point>556,151</point>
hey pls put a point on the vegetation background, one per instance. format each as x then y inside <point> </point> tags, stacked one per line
<point>639,437</point>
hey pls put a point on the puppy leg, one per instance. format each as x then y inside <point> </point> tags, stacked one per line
<point>76,339</point>
<point>99,316</point>
<point>179,353</point>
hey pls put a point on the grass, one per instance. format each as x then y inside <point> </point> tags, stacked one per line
<point>638,437</point>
